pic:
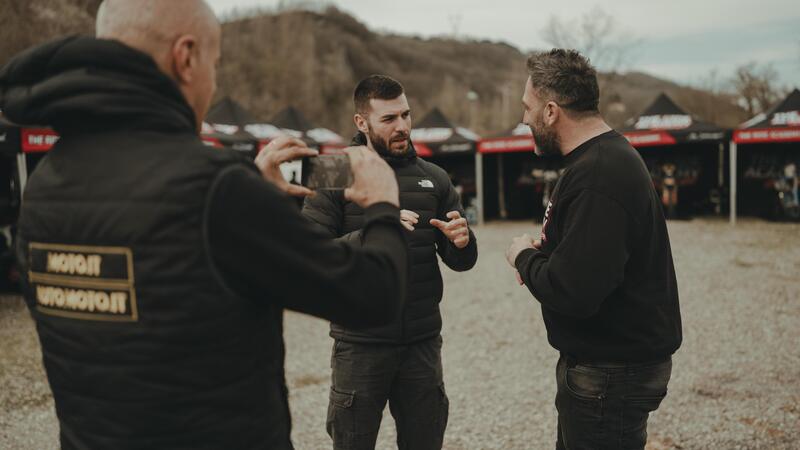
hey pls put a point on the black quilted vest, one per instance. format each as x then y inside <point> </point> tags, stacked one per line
<point>143,344</point>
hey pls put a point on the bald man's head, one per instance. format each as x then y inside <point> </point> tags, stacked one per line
<point>182,36</point>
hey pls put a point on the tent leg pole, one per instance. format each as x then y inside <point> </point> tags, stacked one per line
<point>501,187</point>
<point>479,186</point>
<point>733,174</point>
<point>22,172</point>
<point>721,166</point>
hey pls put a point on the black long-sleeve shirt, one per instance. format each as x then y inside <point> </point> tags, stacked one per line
<point>266,250</point>
<point>604,275</point>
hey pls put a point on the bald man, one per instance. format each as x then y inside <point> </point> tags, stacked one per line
<point>155,269</point>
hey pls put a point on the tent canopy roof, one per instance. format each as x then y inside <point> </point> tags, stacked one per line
<point>784,114</point>
<point>230,112</point>
<point>438,133</point>
<point>781,123</point>
<point>291,118</point>
<point>294,122</point>
<point>515,139</point>
<point>663,122</point>
<point>229,118</point>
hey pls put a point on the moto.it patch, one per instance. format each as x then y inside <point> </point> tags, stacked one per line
<point>83,282</point>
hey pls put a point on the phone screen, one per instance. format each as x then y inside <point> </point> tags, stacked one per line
<point>326,172</point>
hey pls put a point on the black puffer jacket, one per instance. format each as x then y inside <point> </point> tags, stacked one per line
<point>426,189</point>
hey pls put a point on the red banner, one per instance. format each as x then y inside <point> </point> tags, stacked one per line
<point>650,138</point>
<point>212,142</point>
<point>36,140</point>
<point>507,144</point>
<point>423,150</point>
<point>332,149</point>
<point>767,135</point>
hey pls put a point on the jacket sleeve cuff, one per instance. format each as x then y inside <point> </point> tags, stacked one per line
<point>382,212</point>
<point>523,257</point>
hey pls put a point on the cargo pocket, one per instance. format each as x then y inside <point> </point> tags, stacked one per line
<point>341,418</point>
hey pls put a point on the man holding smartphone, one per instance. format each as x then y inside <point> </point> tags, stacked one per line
<point>399,362</point>
<point>154,267</point>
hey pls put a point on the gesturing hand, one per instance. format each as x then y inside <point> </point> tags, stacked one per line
<point>456,230</point>
<point>518,244</point>
<point>408,219</point>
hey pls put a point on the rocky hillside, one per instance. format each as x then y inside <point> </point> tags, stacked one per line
<point>312,60</point>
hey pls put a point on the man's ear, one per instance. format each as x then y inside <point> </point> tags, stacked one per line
<point>551,112</point>
<point>184,58</point>
<point>361,123</point>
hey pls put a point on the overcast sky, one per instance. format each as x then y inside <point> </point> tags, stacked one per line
<point>683,40</point>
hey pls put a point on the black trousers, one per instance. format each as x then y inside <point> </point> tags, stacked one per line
<point>409,377</point>
<point>606,405</point>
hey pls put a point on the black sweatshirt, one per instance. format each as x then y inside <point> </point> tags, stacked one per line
<point>272,252</point>
<point>604,274</point>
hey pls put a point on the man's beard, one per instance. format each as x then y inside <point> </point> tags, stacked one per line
<point>384,148</point>
<point>547,141</point>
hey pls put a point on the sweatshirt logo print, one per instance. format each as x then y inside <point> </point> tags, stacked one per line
<point>426,184</point>
<point>546,221</point>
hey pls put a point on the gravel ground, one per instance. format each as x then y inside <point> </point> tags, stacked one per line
<point>735,384</point>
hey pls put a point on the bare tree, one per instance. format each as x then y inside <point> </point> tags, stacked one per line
<point>597,35</point>
<point>712,88</point>
<point>756,86</point>
<point>455,24</point>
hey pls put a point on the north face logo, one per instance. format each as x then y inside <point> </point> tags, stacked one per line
<point>426,183</point>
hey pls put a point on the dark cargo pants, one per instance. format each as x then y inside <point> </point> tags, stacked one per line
<point>409,377</point>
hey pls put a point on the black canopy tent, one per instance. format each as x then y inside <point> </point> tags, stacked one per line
<point>229,124</point>
<point>9,178</point>
<point>21,149</point>
<point>514,182</point>
<point>666,134</point>
<point>25,146</point>
<point>9,138</point>
<point>451,147</point>
<point>292,122</point>
<point>769,141</point>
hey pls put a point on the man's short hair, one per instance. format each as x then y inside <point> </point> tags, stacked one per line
<point>380,87</point>
<point>566,77</point>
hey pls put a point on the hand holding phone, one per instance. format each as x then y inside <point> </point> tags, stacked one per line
<point>281,150</point>
<point>373,180</point>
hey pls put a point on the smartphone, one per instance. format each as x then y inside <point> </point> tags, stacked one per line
<point>326,172</point>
